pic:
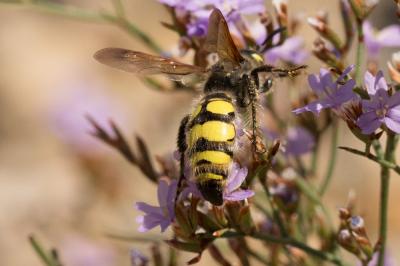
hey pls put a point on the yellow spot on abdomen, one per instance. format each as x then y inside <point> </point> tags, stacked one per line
<point>220,107</point>
<point>208,176</point>
<point>212,131</point>
<point>215,157</point>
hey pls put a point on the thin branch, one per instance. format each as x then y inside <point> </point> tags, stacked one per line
<point>90,16</point>
<point>374,158</point>
<point>289,242</point>
<point>141,159</point>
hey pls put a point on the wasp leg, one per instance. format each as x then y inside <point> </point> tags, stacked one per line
<point>182,146</point>
<point>281,72</point>
<point>248,90</point>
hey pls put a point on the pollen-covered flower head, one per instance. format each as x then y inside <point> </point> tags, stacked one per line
<point>162,215</point>
<point>331,94</point>
<point>381,108</point>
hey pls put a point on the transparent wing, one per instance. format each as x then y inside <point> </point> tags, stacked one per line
<point>144,64</point>
<point>219,39</point>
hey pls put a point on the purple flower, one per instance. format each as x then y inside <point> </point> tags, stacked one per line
<point>381,108</point>
<point>80,251</point>
<point>162,215</point>
<point>138,259</point>
<point>201,10</point>
<point>374,41</point>
<point>197,28</point>
<point>290,51</point>
<point>389,260</point>
<point>299,141</point>
<point>331,94</point>
<point>75,100</point>
<point>232,191</point>
<point>296,142</point>
<point>190,188</point>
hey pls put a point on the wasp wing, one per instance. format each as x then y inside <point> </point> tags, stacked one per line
<point>144,64</point>
<point>219,39</point>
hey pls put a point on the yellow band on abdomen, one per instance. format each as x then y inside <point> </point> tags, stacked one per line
<point>214,157</point>
<point>212,131</point>
<point>208,176</point>
<point>220,107</point>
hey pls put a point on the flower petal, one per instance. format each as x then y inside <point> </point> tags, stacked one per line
<point>236,180</point>
<point>315,107</point>
<point>393,124</point>
<point>369,122</point>
<point>315,83</point>
<point>380,82</point>
<point>390,36</point>
<point>394,100</point>
<point>345,93</point>
<point>162,192</point>
<point>146,208</point>
<point>369,82</point>
<point>346,72</point>
<point>239,195</point>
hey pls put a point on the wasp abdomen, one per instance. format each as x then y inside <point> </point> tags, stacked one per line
<point>211,143</point>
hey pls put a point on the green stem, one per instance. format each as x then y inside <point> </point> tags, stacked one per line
<point>384,195</point>
<point>91,16</point>
<point>262,178</point>
<point>374,158</point>
<point>289,242</point>
<point>314,159</point>
<point>359,52</point>
<point>332,159</point>
<point>258,256</point>
<point>48,261</point>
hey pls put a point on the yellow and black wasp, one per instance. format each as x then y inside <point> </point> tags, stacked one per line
<point>207,137</point>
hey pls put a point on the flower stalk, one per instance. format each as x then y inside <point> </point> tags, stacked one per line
<point>384,195</point>
<point>332,159</point>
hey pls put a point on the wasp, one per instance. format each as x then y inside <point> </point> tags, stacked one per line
<point>207,137</point>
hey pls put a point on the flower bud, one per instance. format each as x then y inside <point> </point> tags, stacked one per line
<point>346,241</point>
<point>324,54</point>
<point>319,23</point>
<point>362,8</point>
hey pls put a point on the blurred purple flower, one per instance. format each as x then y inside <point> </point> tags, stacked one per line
<point>389,260</point>
<point>138,259</point>
<point>231,9</point>
<point>287,194</point>
<point>232,191</point>
<point>381,108</point>
<point>374,41</point>
<point>331,94</point>
<point>75,100</point>
<point>201,10</point>
<point>290,51</point>
<point>164,214</point>
<point>197,28</point>
<point>299,141</point>
<point>79,251</point>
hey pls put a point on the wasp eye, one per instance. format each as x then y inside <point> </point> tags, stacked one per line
<point>267,85</point>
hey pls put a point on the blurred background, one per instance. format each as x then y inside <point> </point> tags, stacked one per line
<point>71,190</point>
